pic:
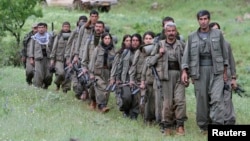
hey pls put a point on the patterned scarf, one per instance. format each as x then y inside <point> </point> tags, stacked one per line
<point>41,39</point>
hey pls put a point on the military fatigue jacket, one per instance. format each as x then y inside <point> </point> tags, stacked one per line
<point>71,44</point>
<point>147,74</point>
<point>87,51</point>
<point>96,64</point>
<point>84,38</point>
<point>113,72</point>
<point>215,42</point>
<point>59,47</point>
<point>39,51</point>
<point>124,65</point>
<point>161,62</point>
<point>137,65</point>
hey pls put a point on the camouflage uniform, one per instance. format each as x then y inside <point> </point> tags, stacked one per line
<point>168,68</point>
<point>101,73</point>
<point>205,60</point>
<point>84,42</point>
<point>147,76</point>
<point>90,43</point>
<point>57,54</point>
<point>147,94</point>
<point>130,103</point>
<point>41,55</point>
<point>69,54</point>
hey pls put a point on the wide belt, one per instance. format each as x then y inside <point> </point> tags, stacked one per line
<point>206,63</point>
<point>206,60</point>
<point>173,65</point>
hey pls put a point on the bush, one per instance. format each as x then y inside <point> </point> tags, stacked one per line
<point>10,53</point>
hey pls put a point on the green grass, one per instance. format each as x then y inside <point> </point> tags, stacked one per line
<point>31,114</point>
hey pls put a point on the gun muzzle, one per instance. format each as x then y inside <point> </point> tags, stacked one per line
<point>135,91</point>
<point>80,74</point>
<point>108,87</point>
<point>113,87</point>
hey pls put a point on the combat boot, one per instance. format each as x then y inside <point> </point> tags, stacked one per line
<point>103,108</point>
<point>180,131</point>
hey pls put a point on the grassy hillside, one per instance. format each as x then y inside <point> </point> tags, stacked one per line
<point>31,114</point>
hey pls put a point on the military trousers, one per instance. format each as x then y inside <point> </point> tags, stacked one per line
<point>209,98</point>
<point>149,109</point>
<point>60,76</point>
<point>102,95</point>
<point>42,77</point>
<point>174,101</point>
<point>29,71</point>
<point>130,103</point>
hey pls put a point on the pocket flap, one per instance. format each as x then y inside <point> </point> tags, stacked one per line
<point>219,59</point>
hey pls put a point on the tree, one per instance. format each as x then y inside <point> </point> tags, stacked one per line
<point>13,14</point>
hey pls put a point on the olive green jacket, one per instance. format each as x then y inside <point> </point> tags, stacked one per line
<point>191,57</point>
<point>97,60</point>
<point>36,49</point>
<point>161,62</point>
<point>136,69</point>
<point>59,48</point>
<point>71,44</point>
<point>83,40</point>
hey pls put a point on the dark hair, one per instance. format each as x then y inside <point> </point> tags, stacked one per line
<point>103,36</point>
<point>84,18</point>
<point>167,19</point>
<point>42,24</point>
<point>123,45</point>
<point>106,34</point>
<point>100,22</point>
<point>151,33</point>
<point>138,36</point>
<point>203,13</point>
<point>93,12</point>
<point>66,23</point>
<point>213,24</point>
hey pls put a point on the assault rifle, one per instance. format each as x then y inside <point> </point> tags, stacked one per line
<point>158,82</point>
<point>68,72</point>
<point>84,78</point>
<point>134,90</point>
<point>238,90</point>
